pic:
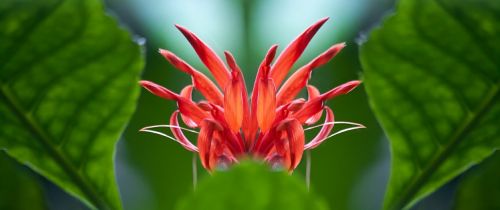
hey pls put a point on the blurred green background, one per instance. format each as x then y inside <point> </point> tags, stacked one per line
<point>349,171</point>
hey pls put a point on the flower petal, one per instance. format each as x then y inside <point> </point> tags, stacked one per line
<point>313,92</point>
<point>290,55</point>
<point>205,137</point>
<point>266,104</point>
<point>237,77</point>
<point>208,57</point>
<point>295,134</point>
<point>187,92</point>
<point>233,105</point>
<point>264,66</point>
<point>201,82</point>
<point>298,80</point>
<point>324,132</point>
<point>315,105</point>
<point>186,106</point>
<point>159,90</point>
<point>179,135</point>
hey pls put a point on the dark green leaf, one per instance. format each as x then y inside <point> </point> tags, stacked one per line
<point>68,85</point>
<point>480,188</point>
<point>251,186</point>
<point>17,187</point>
<point>432,74</point>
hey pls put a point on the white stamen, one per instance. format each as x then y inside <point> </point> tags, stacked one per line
<point>158,133</point>
<point>336,122</point>
<point>169,126</point>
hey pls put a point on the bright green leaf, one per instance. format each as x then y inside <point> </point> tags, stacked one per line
<point>432,73</point>
<point>17,187</point>
<point>68,85</point>
<point>480,188</point>
<point>251,186</point>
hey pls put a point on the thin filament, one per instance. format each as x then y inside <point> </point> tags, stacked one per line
<point>344,130</point>
<point>158,133</point>
<point>195,171</point>
<point>333,123</point>
<point>169,126</point>
<point>308,169</point>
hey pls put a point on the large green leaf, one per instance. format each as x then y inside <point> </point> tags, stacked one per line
<point>432,73</point>
<point>251,186</point>
<point>68,85</point>
<point>18,190</point>
<point>480,188</point>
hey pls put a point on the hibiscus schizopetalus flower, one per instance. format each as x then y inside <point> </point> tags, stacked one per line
<point>269,122</point>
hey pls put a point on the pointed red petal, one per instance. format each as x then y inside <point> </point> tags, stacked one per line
<point>187,92</point>
<point>290,55</point>
<point>298,80</point>
<point>324,132</point>
<point>266,104</point>
<point>208,57</point>
<point>179,135</point>
<point>313,93</point>
<point>253,127</point>
<point>314,106</point>
<point>295,134</point>
<point>201,82</point>
<point>233,105</point>
<point>237,77</point>
<point>159,90</point>
<point>341,89</point>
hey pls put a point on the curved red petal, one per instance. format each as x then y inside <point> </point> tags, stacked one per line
<point>187,92</point>
<point>159,90</point>
<point>291,53</point>
<point>296,138</point>
<point>315,105</point>
<point>324,132</point>
<point>201,82</point>
<point>179,135</point>
<point>313,93</point>
<point>253,127</point>
<point>205,138</point>
<point>266,104</point>
<point>233,105</point>
<point>298,80</point>
<point>208,57</point>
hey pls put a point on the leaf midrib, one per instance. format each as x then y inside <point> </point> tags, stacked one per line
<point>35,129</point>
<point>456,138</point>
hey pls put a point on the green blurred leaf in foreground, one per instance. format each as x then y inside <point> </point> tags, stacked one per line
<point>18,190</point>
<point>251,186</point>
<point>432,73</point>
<point>68,85</point>
<point>480,188</point>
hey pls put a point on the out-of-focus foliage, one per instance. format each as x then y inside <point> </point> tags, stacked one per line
<point>68,86</point>
<point>432,73</point>
<point>21,191</point>
<point>251,186</point>
<point>347,168</point>
<point>480,188</point>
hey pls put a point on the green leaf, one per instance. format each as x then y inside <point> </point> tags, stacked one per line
<point>432,73</point>
<point>480,188</point>
<point>68,86</point>
<point>18,190</point>
<point>251,186</point>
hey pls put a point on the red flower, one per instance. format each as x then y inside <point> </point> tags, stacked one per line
<point>267,124</point>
